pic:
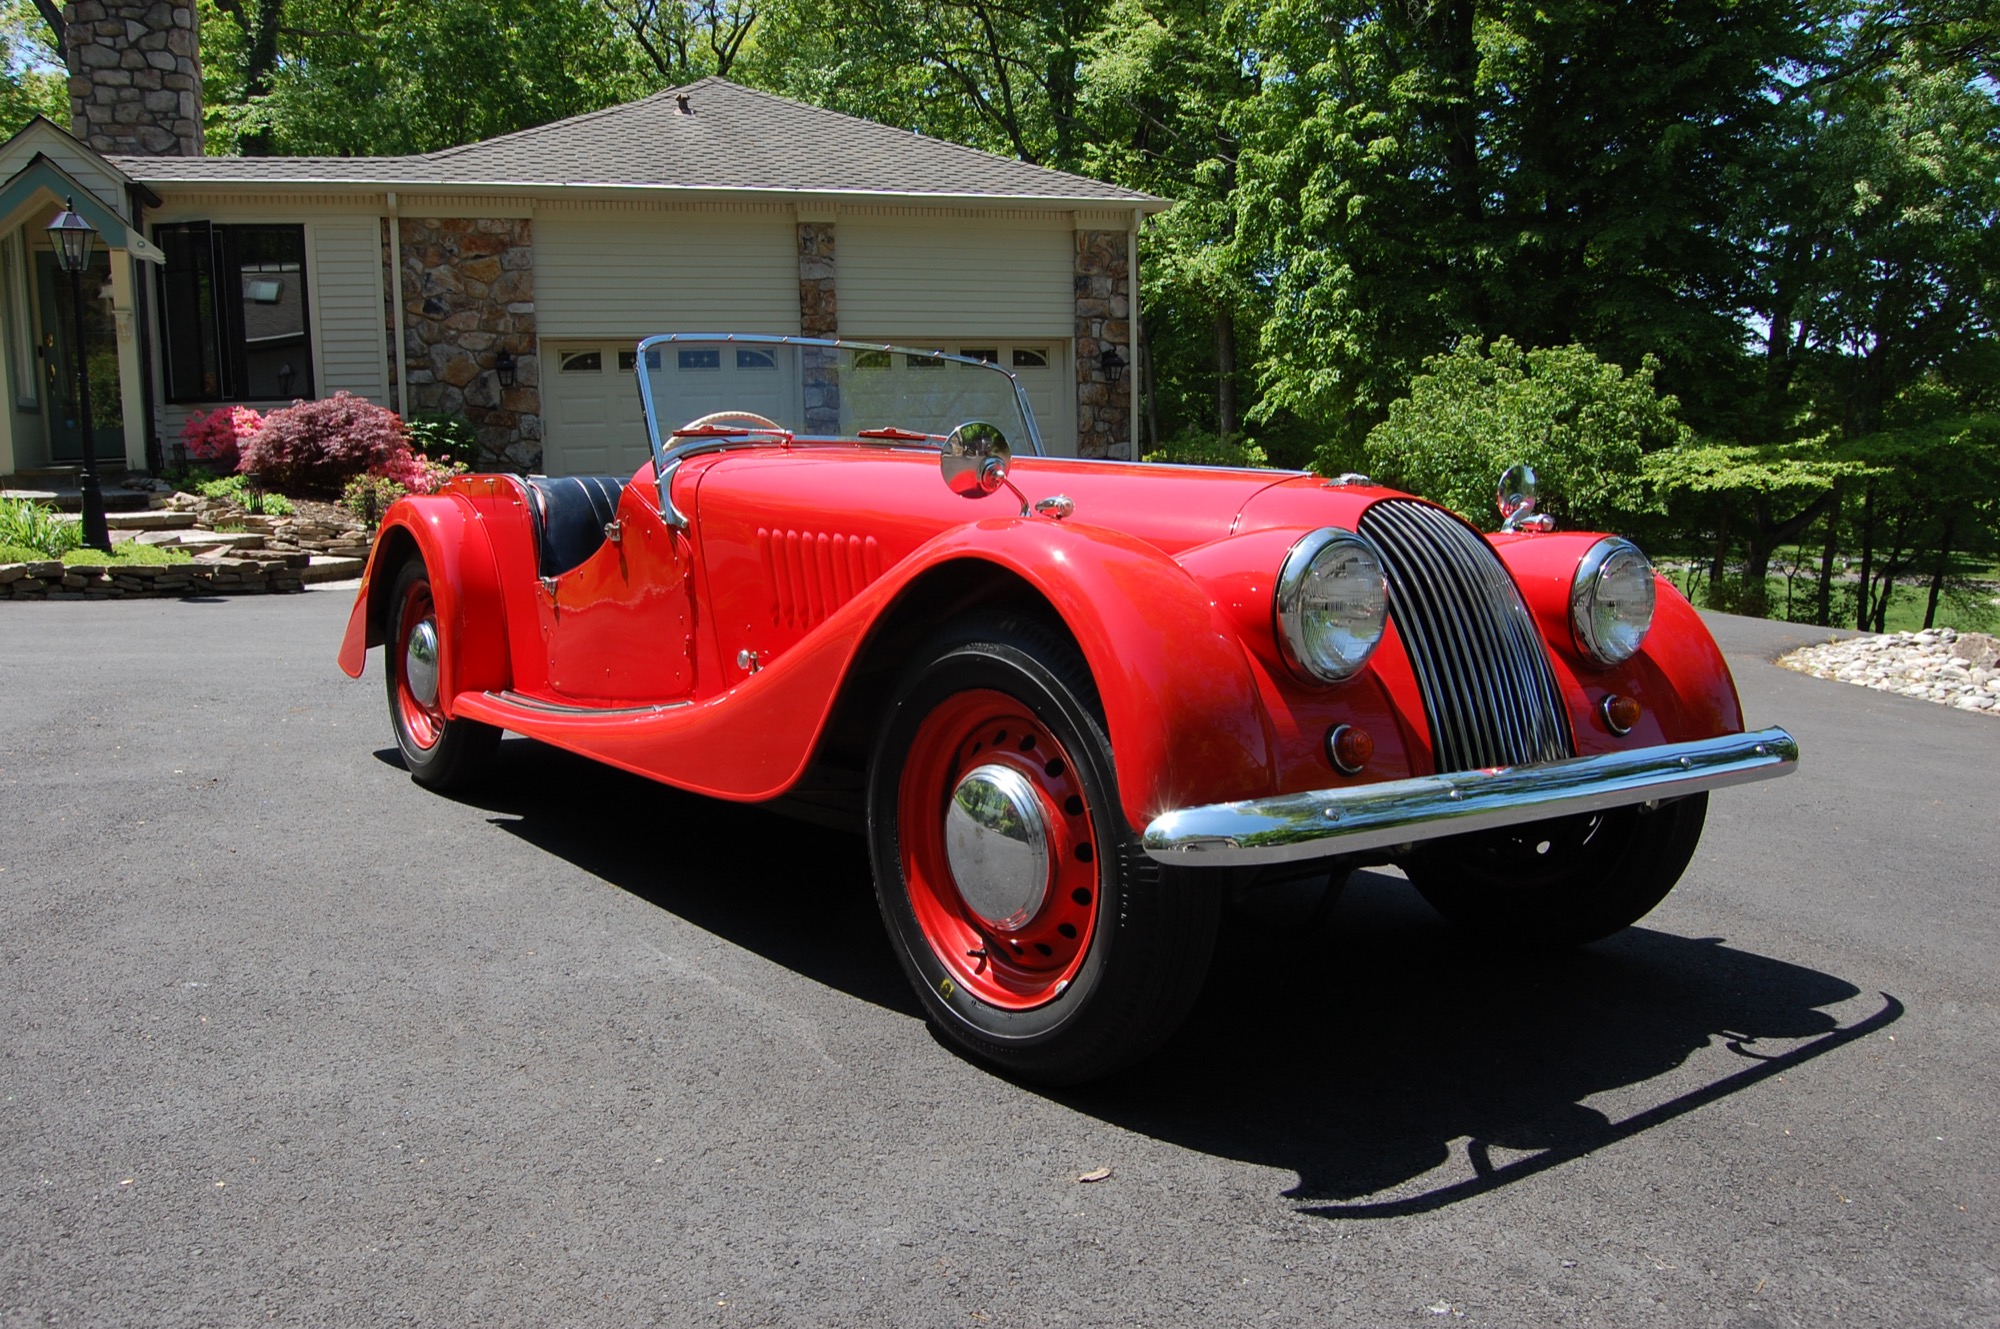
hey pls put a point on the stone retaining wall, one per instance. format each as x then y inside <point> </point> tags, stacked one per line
<point>247,574</point>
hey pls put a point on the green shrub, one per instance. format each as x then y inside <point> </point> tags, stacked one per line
<point>225,488</point>
<point>236,489</point>
<point>30,525</point>
<point>369,496</point>
<point>1193,447</point>
<point>443,438</point>
<point>1581,423</point>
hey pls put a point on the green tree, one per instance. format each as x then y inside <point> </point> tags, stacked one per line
<point>320,77</point>
<point>1554,173</point>
<point>31,78</point>
<point>1584,425</point>
<point>1163,82</point>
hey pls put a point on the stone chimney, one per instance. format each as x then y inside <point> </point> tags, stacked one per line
<point>135,76</point>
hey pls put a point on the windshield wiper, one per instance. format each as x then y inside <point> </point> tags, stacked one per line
<point>895,435</point>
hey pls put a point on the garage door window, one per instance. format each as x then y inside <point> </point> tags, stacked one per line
<point>1030,358</point>
<point>582,362</point>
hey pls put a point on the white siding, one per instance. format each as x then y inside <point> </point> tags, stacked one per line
<point>348,308</point>
<point>630,276</point>
<point>979,277</point>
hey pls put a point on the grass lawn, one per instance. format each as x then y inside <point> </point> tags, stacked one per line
<point>126,555</point>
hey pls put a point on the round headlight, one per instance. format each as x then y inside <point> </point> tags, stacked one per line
<point>1611,601</point>
<point>1332,601</point>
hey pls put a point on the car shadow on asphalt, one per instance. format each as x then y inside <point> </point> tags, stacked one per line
<point>1393,1066</point>
<point>799,896</point>
<point>1398,1069</point>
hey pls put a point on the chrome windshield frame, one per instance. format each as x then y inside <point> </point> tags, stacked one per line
<point>668,455</point>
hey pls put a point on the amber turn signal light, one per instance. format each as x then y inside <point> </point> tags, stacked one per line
<point>1349,748</point>
<point>1620,713</point>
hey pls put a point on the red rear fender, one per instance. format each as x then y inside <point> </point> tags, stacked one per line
<point>445,530</point>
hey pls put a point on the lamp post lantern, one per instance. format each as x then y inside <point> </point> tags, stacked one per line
<point>73,236</point>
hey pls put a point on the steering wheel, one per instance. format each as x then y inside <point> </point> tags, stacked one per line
<point>717,417</point>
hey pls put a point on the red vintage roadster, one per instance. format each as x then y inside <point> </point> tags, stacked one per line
<point>1074,704</point>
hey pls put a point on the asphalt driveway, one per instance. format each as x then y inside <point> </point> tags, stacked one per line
<point>289,1040</point>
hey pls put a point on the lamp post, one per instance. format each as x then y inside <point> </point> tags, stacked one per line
<point>72,236</point>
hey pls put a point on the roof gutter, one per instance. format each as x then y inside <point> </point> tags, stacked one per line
<point>1144,205</point>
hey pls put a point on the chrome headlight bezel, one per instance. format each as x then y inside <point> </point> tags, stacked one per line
<point>1611,601</point>
<point>1308,649</point>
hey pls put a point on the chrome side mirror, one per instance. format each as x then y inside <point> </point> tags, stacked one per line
<point>1516,497</point>
<point>974,459</point>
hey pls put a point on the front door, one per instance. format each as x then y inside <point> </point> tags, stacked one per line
<point>57,353</point>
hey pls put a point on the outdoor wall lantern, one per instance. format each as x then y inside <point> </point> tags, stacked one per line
<point>72,237</point>
<point>503,368</point>
<point>1112,363</point>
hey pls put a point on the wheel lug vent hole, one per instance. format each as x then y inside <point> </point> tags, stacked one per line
<point>1080,895</point>
<point>1068,931</point>
<point>1028,743</point>
<point>1073,805</point>
<point>1044,949</point>
<point>1084,853</point>
<point>1054,769</point>
<point>999,738</point>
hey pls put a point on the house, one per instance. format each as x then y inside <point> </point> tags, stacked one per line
<point>538,258</point>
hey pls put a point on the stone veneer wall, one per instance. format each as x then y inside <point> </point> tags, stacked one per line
<point>135,76</point>
<point>468,294</point>
<point>1103,319</point>
<point>819,316</point>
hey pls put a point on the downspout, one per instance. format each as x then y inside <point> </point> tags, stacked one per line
<point>1132,327</point>
<point>396,289</point>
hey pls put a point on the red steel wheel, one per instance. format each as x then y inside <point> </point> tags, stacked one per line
<point>1008,905</point>
<point>440,752</point>
<point>1036,933</point>
<point>414,666</point>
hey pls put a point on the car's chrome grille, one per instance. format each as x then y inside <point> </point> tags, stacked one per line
<point>1489,693</point>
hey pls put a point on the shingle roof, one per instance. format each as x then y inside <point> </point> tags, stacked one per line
<point>731,138</point>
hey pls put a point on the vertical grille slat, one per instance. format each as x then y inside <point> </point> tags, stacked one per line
<point>1489,692</point>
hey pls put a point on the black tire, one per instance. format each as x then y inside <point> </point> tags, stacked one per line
<point>1564,882</point>
<point>1124,943</point>
<point>440,753</point>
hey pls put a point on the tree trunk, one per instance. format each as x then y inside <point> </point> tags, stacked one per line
<point>1867,557</point>
<point>1225,372</point>
<point>1149,388</point>
<point>1938,569</point>
<point>1718,564</point>
<point>1823,609</point>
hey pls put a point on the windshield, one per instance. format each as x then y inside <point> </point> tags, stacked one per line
<point>824,390</point>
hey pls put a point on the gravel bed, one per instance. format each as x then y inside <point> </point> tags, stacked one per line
<point>1951,668</point>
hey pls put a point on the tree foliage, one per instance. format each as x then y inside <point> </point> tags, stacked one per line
<point>1584,425</point>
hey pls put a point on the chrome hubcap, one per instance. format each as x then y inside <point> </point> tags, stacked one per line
<point>420,663</point>
<point>997,841</point>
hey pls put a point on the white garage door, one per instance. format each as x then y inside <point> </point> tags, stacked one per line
<point>594,424</point>
<point>1042,367</point>
<point>592,421</point>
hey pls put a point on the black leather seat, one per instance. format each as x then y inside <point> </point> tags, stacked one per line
<point>571,512</point>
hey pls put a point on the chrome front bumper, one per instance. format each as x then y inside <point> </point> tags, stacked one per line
<point>1326,823</point>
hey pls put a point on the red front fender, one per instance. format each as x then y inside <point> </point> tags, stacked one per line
<point>1678,677</point>
<point>447,532</point>
<point>1186,721</point>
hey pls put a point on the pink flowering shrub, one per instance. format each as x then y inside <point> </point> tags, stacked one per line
<point>316,447</point>
<point>416,473</point>
<point>218,435</point>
